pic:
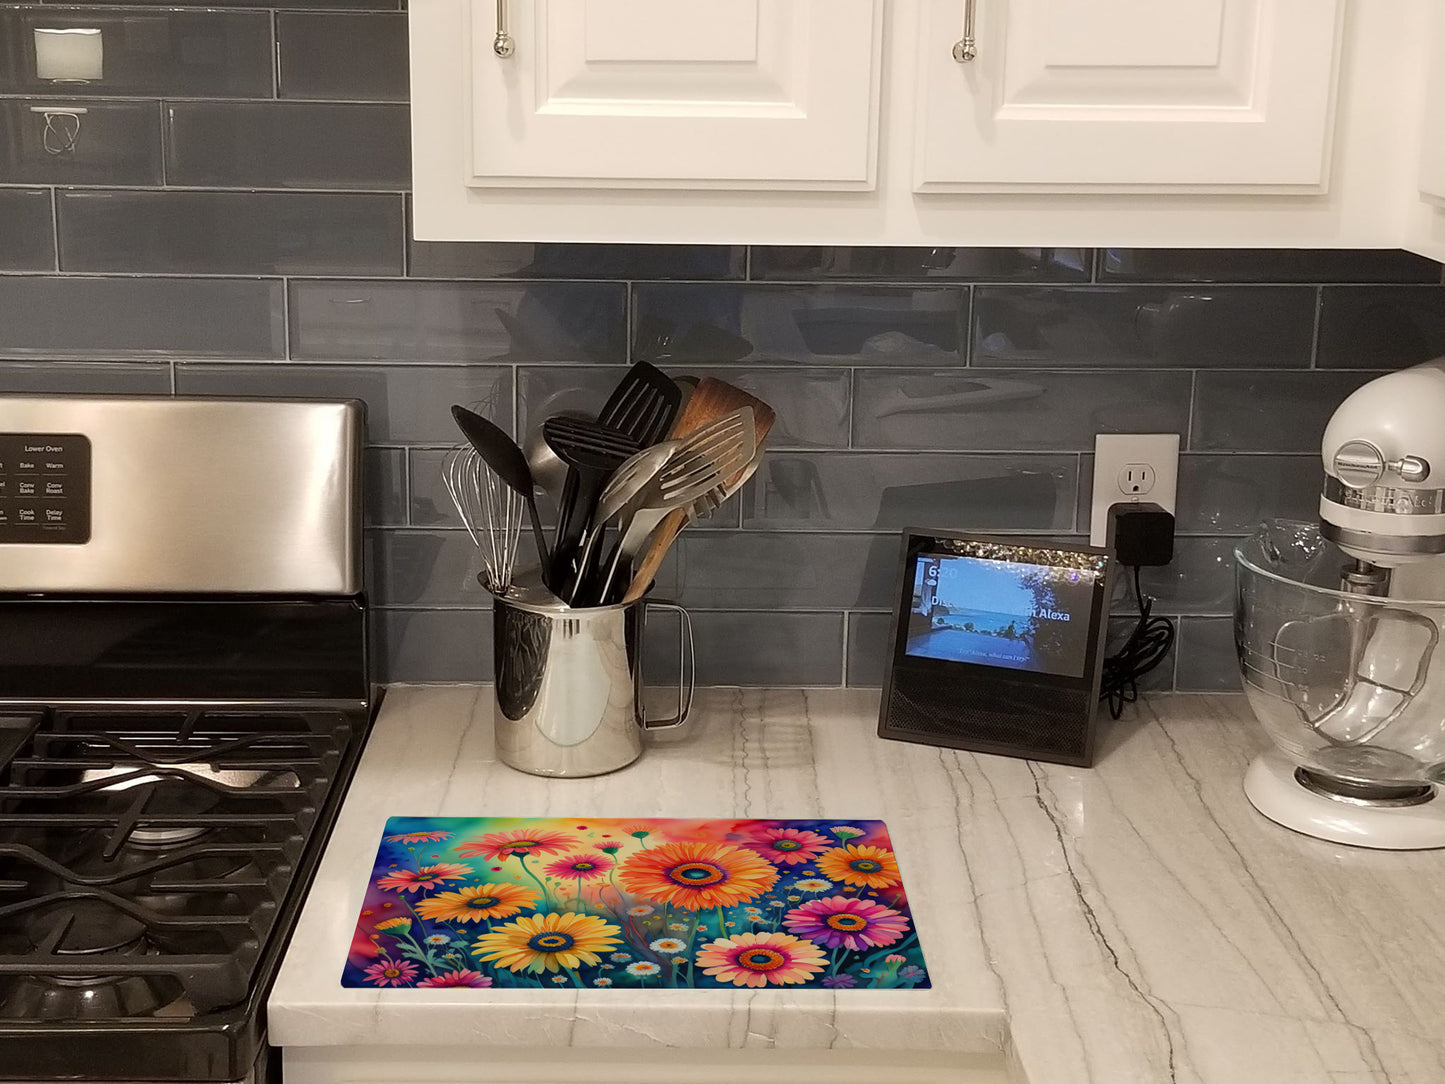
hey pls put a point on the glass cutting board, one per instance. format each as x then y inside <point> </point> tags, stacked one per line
<point>495,902</point>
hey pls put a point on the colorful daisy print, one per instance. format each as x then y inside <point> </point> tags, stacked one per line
<point>859,864</point>
<point>846,921</point>
<point>547,903</point>
<point>761,959</point>
<point>476,903</point>
<point>695,876</point>
<point>460,977</point>
<point>547,942</point>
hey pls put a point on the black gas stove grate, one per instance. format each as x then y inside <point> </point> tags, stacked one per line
<point>145,856</point>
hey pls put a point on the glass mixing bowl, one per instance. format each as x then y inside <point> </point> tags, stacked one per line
<point>1348,686</point>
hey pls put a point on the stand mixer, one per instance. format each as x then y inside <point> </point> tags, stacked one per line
<point>1338,627</point>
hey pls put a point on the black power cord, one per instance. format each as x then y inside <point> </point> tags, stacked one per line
<point>1145,649</point>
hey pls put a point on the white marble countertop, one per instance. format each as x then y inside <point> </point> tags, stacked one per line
<point>1138,922</point>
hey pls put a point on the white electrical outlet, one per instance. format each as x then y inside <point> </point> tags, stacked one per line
<point>1132,467</point>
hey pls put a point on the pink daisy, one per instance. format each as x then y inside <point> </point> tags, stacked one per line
<point>419,837</point>
<point>788,846</point>
<point>463,977</point>
<point>391,973</point>
<point>853,923</point>
<point>580,867</point>
<point>520,843</point>
<point>428,877</point>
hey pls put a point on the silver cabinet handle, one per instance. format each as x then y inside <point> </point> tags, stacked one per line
<point>966,48</point>
<point>502,44</point>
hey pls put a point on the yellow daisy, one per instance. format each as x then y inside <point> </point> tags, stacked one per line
<point>547,942</point>
<point>474,903</point>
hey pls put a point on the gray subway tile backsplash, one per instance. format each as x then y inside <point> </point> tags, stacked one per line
<point>27,230</point>
<point>825,262</point>
<point>148,53</point>
<point>1028,410</point>
<point>1109,327</point>
<point>231,233</point>
<point>451,321</point>
<point>707,323</point>
<point>110,143</point>
<point>331,145</point>
<point>503,259</point>
<point>232,219</point>
<point>94,377</point>
<point>1264,265</point>
<point>812,404</point>
<point>1207,660</point>
<point>386,501</point>
<point>829,491</point>
<point>431,645</point>
<point>405,404</point>
<point>1381,327</point>
<point>119,317</point>
<point>345,56</point>
<point>1267,412</point>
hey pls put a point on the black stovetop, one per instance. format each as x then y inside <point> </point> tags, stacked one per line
<point>153,859</point>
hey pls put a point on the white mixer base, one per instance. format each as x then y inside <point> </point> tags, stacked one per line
<point>1272,789</point>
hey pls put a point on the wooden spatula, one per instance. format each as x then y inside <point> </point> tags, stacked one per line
<point>712,399</point>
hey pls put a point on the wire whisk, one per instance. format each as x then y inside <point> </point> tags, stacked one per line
<point>491,510</point>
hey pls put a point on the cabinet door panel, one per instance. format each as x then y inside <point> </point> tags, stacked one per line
<point>677,94</point>
<point>1128,95</point>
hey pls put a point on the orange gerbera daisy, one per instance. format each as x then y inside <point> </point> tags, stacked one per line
<point>860,864</point>
<point>558,939</point>
<point>428,877</point>
<point>476,902</point>
<point>695,876</point>
<point>760,959</point>
<point>520,843</point>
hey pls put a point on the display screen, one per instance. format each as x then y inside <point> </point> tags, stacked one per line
<point>1001,613</point>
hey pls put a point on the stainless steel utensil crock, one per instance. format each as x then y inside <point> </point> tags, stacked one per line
<point>569,682</point>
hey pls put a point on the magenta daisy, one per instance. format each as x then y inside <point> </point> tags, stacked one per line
<point>852,923</point>
<point>462,977</point>
<point>391,973</point>
<point>580,867</point>
<point>760,959</point>
<point>789,846</point>
<point>836,982</point>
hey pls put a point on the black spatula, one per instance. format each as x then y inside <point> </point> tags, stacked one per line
<point>592,452</point>
<point>643,405</point>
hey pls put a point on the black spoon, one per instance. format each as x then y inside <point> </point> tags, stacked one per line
<point>500,452</point>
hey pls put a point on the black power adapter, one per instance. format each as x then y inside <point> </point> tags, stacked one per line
<point>1139,534</point>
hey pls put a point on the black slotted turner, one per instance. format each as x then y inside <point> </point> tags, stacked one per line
<point>592,452</point>
<point>644,405</point>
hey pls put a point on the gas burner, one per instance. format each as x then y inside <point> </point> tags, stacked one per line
<point>83,927</point>
<point>106,997</point>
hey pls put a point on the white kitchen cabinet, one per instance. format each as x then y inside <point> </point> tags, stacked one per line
<point>674,94</point>
<point>1212,123</point>
<point>1128,95</point>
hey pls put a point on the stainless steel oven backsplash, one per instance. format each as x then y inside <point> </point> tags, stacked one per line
<point>230,217</point>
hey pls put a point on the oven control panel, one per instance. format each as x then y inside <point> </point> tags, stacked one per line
<point>44,488</point>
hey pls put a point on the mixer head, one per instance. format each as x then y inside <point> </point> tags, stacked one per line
<point>1384,455</point>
